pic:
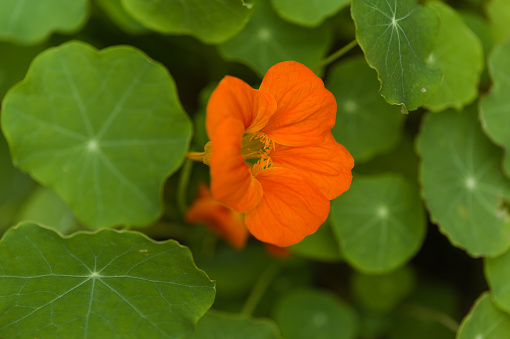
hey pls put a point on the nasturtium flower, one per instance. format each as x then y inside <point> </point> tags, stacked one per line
<point>217,217</point>
<point>272,155</point>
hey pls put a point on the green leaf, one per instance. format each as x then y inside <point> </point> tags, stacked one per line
<point>495,106</point>
<point>379,222</point>
<point>111,123</point>
<point>458,53</point>
<point>366,125</point>
<point>462,183</point>
<point>320,245</point>
<point>108,284</point>
<point>306,12</point>
<point>306,313</point>
<point>209,21</point>
<point>28,22</point>
<point>498,12</point>
<point>267,40</point>
<point>484,321</point>
<point>497,273</point>
<point>220,325</point>
<point>123,19</point>
<point>382,293</point>
<point>397,38</point>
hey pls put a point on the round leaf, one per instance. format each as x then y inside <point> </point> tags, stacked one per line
<point>397,38</point>
<point>267,40</point>
<point>104,129</point>
<point>219,325</point>
<point>458,53</point>
<point>462,182</point>
<point>30,22</point>
<point>118,14</point>
<point>306,12</point>
<point>366,125</point>
<point>320,245</point>
<point>307,313</point>
<point>107,284</point>
<point>379,221</point>
<point>498,277</point>
<point>499,16</point>
<point>209,21</point>
<point>484,321</point>
<point>494,107</point>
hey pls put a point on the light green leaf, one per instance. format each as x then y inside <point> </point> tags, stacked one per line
<point>306,12</point>
<point>484,321</point>
<point>462,182</point>
<point>397,37</point>
<point>108,284</point>
<point>365,124</point>
<point>379,222</point>
<point>497,273</point>
<point>458,53</point>
<point>498,12</point>
<point>495,107</point>
<point>220,325</point>
<point>209,21</point>
<point>111,123</point>
<point>267,40</point>
<point>382,293</point>
<point>30,22</point>
<point>123,19</point>
<point>320,245</point>
<point>306,313</point>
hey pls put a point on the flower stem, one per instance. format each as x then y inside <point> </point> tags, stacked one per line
<point>195,156</point>
<point>337,54</point>
<point>183,185</point>
<point>260,288</point>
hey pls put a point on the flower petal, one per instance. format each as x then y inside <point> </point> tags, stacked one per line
<point>233,98</point>
<point>306,109</point>
<point>231,180</point>
<point>221,219</point>
<point>292,207</point>
<point>328,164</point>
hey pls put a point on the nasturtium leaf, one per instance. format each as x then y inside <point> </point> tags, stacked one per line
<point>221,325</point>
<point>30,22</point>
<point>102,128</point>
<point>497,273</point>
<point>123,19</point>
<point>365,124</point>
<point>108,284</point>
<point>484,321</point>
<point>267,39</point>
<point>320,245</point>
<point>499,17</point>
<point>306,12</point>
<point>382,293</point>
<point>307,313</point>
<point>462,182</point>
<point>208,21</point>
<point>397,37</point>
<point>458,53</point>
<point>495,107</point>
<point>379,222</point>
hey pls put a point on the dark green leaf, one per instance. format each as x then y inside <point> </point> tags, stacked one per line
<point>306,12</point>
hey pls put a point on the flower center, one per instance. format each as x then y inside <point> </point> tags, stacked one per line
<point>256,146</point>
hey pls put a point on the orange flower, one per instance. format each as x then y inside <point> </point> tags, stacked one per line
<point>218,217</point>
<point>272,154</point>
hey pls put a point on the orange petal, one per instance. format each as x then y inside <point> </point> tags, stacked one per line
<point>328,164</point>
<point>233,98</point>
<point>306,109</point>
<point>231,180</point>
<point>292,207</point>
<point>221,219</point>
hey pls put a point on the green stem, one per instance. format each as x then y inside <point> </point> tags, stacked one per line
<point>182,187</point>
<point>425,313</point>
<point>337,54</point>
<point>260,288</point>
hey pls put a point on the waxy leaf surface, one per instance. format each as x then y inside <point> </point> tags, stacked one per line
<point>498,278</point>
<point>30,22</point>
<point>208,21</point>
<point>108,284</point>
<point>495,107</point>
<point>462,183</point>
<point>267,39</point>
<point>103,129</point>
<point>458,53</point>
<point>484,321</point>
<point>306,12</point>
<point>365,124</point>
<point>379,222</point>
<point>397,37</point>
